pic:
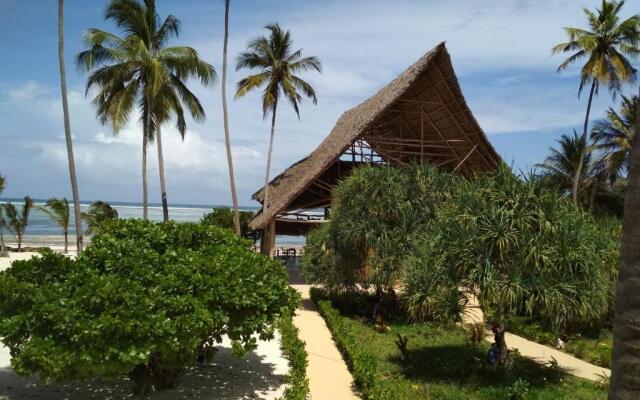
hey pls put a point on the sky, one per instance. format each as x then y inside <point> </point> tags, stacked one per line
<point>500,51</point>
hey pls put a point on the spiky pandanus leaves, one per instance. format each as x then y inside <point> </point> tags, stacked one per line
<point>139,71</point>
<point>58,212</point>
<point>608,45</point>
<point>17,220</point>
<point>278,64</point>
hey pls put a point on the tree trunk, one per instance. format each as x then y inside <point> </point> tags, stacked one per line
<point>576,178</point>
<point>66,241</point>
<point>145,211</point>
<point>225,116</point>
<point>67,130</point>
<point>3,249</point>
<point>163,188</point>
<point>625,363</point>
<point>265,203</point>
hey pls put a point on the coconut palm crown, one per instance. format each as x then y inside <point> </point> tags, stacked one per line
<point>612,136</point>
<point>273,56</point>
<point>139,71</point>
<point>607,44</point>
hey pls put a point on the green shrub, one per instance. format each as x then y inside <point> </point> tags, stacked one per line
<point>223,218</point>
<point>294,351</point>
<point>143,299</point>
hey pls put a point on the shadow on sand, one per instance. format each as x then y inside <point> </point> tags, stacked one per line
<point>227,377</point>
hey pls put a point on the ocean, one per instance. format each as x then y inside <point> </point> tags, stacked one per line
<point>41,231</point>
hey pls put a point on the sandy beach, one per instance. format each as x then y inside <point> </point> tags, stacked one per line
<point>259,376</point>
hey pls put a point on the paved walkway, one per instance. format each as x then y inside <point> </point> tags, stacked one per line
<point>538,352</point>
<point>328,375</point>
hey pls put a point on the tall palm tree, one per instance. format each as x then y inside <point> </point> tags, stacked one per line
<point>58,211</point>
<point>278,63</point>
<point>561,164</point>
<point>625,379</point>
<point>225,115</point>
<point>17,220</point>
<point>67,129</point>
<point>606,44</point>
<point>613,135</point>
<point>138,70</point>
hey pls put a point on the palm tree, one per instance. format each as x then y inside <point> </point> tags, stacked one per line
<point>225,115</point>
<point>278,63</point>
<point>17,221</point>
<point>58,211</point>
<point>605,45</point>
<point>67,130</point>
<point>139,70</point>
<point>99,211</point>
<point>625,380</point>
<point>561,165</point>
<point>3,249</point>
<point>613,135</point>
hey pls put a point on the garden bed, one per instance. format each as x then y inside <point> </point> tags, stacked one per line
<point>442,363</point>
<point>595,349</point>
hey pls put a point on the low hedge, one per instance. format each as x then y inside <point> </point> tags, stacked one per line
<point>363,365</point>
<point>293,349</point>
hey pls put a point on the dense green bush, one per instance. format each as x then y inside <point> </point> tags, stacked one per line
<point>523,248</point>
<point>143,299</point>
<point>223,218</point>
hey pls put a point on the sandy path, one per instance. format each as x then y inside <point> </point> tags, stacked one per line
<point>328,375</point>
<point>536,351</point>
<point>259,376</point>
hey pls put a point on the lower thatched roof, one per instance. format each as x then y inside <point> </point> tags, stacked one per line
<point>419,116</point>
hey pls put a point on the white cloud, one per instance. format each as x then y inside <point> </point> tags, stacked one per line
<point>28,91</point>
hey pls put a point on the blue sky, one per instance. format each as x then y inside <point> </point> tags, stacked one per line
<point>500,50</point>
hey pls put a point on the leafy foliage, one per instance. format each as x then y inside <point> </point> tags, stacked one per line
<point>223,218</point>
<point>293,348</point>
<point>99,211</point>
<point>17,221</point>
<point>521,246</point>
<point>142,299</point>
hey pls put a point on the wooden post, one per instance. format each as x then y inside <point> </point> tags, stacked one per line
<point>421,137</point>
<point>268,242</point>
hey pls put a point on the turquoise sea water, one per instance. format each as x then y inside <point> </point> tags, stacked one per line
<point>40,228</point>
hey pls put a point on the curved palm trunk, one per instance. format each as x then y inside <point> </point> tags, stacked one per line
<point>67,131</point>
<point>225,116</point>
<point>268,234</point>
<point>145,197</point>
<point>576,178</point>
<point>625,363</point>
<point>163,188</point>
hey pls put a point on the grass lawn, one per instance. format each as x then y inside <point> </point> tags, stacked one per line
<point>596,350</point>
<point>442,360</point>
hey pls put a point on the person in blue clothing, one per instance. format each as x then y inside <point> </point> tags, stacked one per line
<point>492,354</point>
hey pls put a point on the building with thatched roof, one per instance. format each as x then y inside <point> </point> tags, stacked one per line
<point>421,116</point>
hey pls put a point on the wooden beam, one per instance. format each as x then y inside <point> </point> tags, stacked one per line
<point>465,158</point>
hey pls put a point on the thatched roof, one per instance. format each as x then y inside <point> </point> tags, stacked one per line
<point>419,116</point>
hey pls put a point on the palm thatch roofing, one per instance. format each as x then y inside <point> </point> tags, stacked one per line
<point>421,116</point>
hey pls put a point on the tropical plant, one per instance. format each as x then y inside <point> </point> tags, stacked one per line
<point>58,211</point>
<point>225,116</point>
<point>17,220</point>
<point>606,44</point>
<point>625,380</point>
<point>224,218</point>
<point>278,64</point>
<point>98,212</point>
<point>3,249</point>
<point>143,299</point>
<point>139,70</point>
<point>613,135</point>
<point>67,132</point>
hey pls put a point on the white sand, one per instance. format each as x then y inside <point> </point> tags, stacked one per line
<point>259,376</point>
